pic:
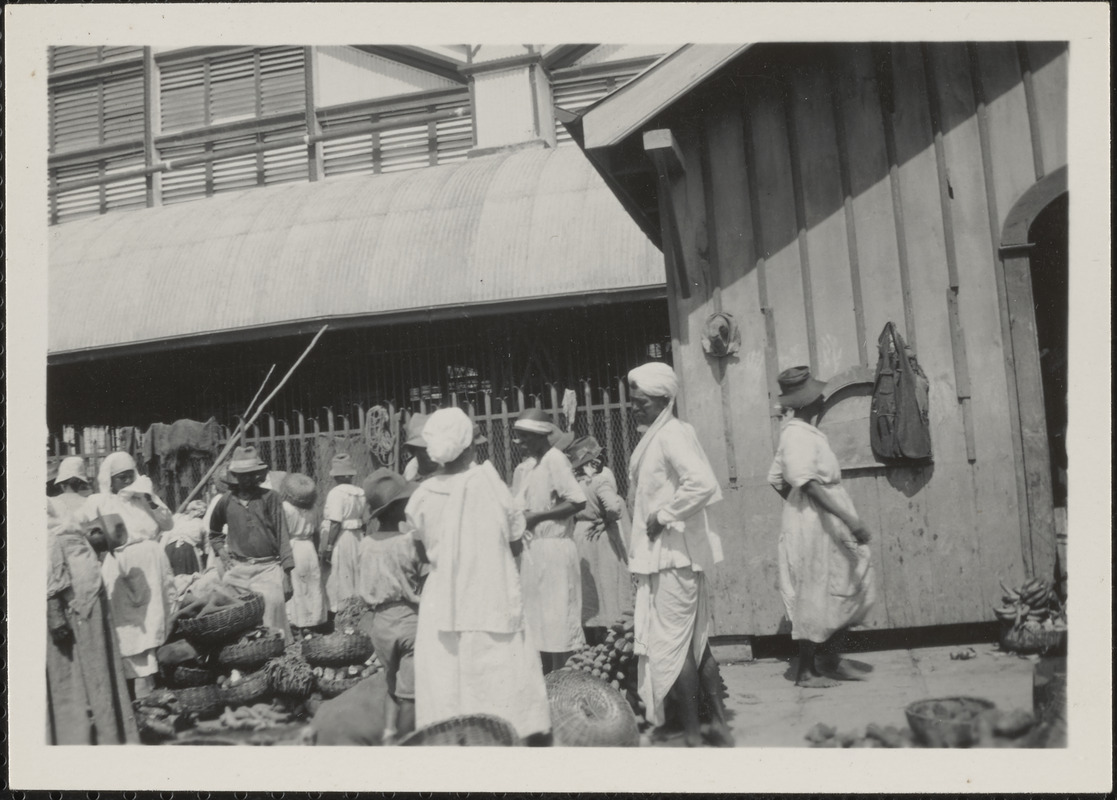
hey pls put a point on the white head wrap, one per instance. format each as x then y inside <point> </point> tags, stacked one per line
<point>447,433</point>
<point>114,464</point>
<point>656,379</point>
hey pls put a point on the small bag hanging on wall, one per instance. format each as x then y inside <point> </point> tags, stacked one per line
<point>899,418</point>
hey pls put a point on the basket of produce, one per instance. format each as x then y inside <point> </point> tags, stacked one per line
<point>257,717</point>
<point>332,681</point>
<point>185,675</point>
<point>350,613</point>
<point>475,730</point>
<point>290,675</point>
<point>947,721</point>
<point>203,701</point>
<point>587,712</point>
<point>1033,618</point>
<point>240,690</point>
<point>221,623</point>
<point>339,649</point>
<point>252,650</point>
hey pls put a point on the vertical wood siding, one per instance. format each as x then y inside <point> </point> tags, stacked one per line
<point>827,192</point>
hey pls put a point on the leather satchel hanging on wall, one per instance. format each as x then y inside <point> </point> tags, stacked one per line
<point>899,418</point>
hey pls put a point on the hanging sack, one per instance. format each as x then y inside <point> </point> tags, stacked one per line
<point>899,418</point>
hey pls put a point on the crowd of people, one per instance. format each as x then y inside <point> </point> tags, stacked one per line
<point>472,590</point>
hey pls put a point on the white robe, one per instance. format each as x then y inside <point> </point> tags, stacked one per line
<point>472,654</point>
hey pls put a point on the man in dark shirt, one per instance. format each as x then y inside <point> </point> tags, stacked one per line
<point>256,551</point>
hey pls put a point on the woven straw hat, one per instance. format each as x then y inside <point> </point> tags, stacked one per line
<point>384,487</point>
<point>342,466</point>
<point>798,388</point>
<point>584,450</point>
<point>245,460</point>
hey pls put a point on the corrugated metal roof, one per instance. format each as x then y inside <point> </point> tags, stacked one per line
<point>513,226</point>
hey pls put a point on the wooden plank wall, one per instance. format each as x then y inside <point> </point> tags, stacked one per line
<point>827,192</point>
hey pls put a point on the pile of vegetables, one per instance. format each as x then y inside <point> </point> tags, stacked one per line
<point>1032,607</point>
<point>613,661</point>
<point>995,728</point>
<point>206,596</point>
<point>290,675</point>
<point>250,718</point>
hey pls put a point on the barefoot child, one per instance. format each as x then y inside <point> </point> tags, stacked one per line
<point>825,576</point>
<point>389,581</point>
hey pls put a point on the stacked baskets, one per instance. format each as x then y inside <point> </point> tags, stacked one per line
<point>340,660</point>
<point>229,641</point>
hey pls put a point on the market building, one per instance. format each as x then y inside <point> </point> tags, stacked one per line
<point>815,192</point>
<point>212,207</point>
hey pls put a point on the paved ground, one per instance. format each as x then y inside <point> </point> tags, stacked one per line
<point>767,710</point>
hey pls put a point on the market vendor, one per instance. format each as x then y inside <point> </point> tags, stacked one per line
<point>671,552</point>
<point>256,550</point>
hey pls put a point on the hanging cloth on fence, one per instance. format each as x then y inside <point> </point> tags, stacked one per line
<point>899,418</point>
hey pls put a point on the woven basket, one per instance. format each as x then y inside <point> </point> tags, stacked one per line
<point>225,625</point>
<point>337,649</point>
<point>184,676</point>
<point>933,728</point>
<point>205,701</point>
<point>251,688</point>
<point>251,655</point>
<point>476,730</point>
<point>587,712</point>
<point>1022,640</point>
<point>332,687</point>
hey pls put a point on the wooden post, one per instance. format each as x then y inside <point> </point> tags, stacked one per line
<point>300,430</point>
<point>664,152</point>
<point>151,124</point>
<point>607,412</point>
<point>506,428</point>
<point>314,162</point>
<point>555,406</point>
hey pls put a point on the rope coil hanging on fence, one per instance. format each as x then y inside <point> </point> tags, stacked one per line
<point>379,437</point>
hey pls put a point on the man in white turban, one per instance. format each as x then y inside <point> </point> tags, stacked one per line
<point>671,552</point>
<point>472,655</point>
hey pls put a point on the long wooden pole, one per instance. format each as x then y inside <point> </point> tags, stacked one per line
<point>245,425</point>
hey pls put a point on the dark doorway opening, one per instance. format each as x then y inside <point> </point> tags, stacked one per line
<point>1049,269</point>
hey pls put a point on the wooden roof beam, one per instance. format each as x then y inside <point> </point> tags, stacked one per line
<point>661,147</point>
<point>417,59</point>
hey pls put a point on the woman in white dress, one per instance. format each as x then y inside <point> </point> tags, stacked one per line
<point>307,607</point>
<point>473,654</point>
<point>545,487</point>
<point>825,577</point>
<point>342,528</point>
<point>137,574</point>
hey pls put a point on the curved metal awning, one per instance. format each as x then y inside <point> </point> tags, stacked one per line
<point>529,225</point>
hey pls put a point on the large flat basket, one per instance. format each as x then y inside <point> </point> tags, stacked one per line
<point>587,712</point>
<point>337,649</point>
<point>475,730</point>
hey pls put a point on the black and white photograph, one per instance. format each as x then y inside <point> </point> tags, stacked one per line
<point>700,380</point>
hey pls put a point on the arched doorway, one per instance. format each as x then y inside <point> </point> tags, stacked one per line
<point>1034,260</point>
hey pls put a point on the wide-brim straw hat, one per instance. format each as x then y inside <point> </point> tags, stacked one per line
<point>342,466</point>
<point>583,450</point>
<point>384,487</point>
<point>299,490</point>
<point>245,461</point>
<point>798,388</point>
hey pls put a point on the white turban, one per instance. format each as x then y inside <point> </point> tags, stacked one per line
<point>114,464</point>
<point>655,379</point>
<point>448,433</point>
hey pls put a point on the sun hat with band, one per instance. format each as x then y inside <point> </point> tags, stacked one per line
<point>384,487</point>
<point>342,466</point>
<point>245,461</point>
<point>583,450</point>
<point>534,420</point>
<point>798,388</point>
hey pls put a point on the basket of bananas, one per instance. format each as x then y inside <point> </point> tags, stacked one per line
<point>1033,618</point>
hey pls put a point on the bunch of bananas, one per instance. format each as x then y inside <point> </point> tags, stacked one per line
<point>1034,606</point>
<point>612,661</point>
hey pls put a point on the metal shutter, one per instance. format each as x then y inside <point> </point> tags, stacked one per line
<point>232,88</point>
<point>574,94</point>
<point>282,80</point>
<point>182,96</point>
<point>99,111</point>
